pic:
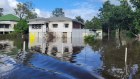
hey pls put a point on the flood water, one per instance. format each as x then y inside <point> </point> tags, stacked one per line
<point>69,58</point>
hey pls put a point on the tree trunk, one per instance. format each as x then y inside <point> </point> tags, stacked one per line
<point>108,33</point>
<point>119,32</point>
<point>120,37</point>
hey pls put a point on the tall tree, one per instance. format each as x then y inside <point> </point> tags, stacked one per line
<point>105,14</point>
<point>118,17</point>
<point>1,11</point>
<point>122,17</point>
<point>136,6</point>
<point>58,12</point>
<point>95,23</point>
<point>25,10</point>
<point>78,18</point>
<point>135,3</point>
<point>88,24</point>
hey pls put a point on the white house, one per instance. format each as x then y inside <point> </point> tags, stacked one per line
<point>7,23</point>
<point>63,26</point>
<point>38,27</point>
<point>58,27</point>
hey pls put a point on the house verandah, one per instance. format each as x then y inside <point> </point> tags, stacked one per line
<point>5,28</point>
<point>7,23</point>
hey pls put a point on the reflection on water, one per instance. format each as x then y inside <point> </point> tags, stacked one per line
<point>12,70</point>
<point>6,45</point>
<point>89,59</point>
<point>73,59</point>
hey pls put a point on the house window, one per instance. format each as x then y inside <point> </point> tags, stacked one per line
<point>4,25</point>
<point>36,26</point>
<point>66,25</point>
<point>66,49</point>
<point>1,26</point>
<point>7,26</point>
<point>55,25</point>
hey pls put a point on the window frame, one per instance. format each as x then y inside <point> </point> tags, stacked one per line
<point>55,25</point>
<point>36,26</point>
<point>66,26</point>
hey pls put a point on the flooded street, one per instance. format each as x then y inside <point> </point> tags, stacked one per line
<point>69,58</point>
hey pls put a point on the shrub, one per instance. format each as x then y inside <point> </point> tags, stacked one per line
<point>89,39</point>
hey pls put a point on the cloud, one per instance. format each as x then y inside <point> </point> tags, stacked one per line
<point>42,13</point>
<point>85,10</point>
<point>115,2</point>
<point>85,13</point>
<point>8,5</point>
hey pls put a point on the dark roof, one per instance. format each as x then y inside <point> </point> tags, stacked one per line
<point>63,19</point>
<point>59,19</point>
<point>39,19</point>
<point>51,19</point>
<point>9,17</point>
<point>78,21</point>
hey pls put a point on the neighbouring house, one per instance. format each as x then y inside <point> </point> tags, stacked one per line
<point>58,27</point>
<point>7,23</point>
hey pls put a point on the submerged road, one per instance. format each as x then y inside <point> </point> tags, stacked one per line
<point>39,66</point>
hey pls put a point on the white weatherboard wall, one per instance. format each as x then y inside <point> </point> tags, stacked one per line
<point>37,36</point>
<point>81,32</point>
<point>38,32</point>
<point>11,27</point>
<point>58,32</point>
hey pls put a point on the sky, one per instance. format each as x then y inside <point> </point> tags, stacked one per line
<point>87,9</point>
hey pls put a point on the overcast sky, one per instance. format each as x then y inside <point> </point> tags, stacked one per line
<point>84,8</point>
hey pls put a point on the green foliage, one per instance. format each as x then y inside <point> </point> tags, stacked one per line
<point>135,3</point>
<point>88,24</point>
<point>21,27</point>
<point>117,17</point>
<point>129,34</point>
<point>136,6</point>
<point>25,11</point>
<point>95,23</point>
<point>58,12</point>
<point>78,18</point>
<point>89,39</point>
<point>31,15</point>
